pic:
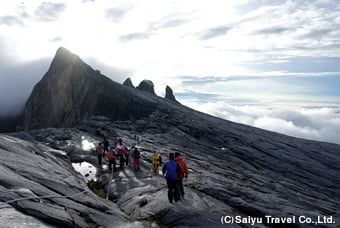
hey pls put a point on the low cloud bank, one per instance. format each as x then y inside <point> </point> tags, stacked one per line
<point>318,123</point>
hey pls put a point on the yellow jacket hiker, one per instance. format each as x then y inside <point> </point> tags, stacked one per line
<point>156,162</point>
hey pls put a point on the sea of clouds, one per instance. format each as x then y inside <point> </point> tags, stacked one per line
<point>316,123</point>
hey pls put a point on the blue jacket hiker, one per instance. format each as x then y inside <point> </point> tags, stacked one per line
<point>171,170</point>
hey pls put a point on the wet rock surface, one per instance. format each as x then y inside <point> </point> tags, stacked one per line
<point>57,194</point>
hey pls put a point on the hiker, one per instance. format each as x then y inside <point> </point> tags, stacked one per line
<point>120,141</point>
<point>171,170</point>
<point>131,151</point>
<point>121,154</point>
<point>127,153</point>
<point>136,155</point>
<point>115,142</point>
<point>106,145</point>
<point>156,162</point>
<point>112,160</point>
<point>137,140</point>
<point>184,173</point>
<point>100,150</point>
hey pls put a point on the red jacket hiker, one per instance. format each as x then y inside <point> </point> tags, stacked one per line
<point>183,173</point>
<point>184,168</point>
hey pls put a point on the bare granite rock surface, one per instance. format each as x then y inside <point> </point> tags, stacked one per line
<point>235,170</point>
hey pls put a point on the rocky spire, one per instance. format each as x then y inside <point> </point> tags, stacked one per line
<point>169,94</point>
<point>62,58</point>
<point>146,86</point>
<point>71,91</point>
<point>128,83</point>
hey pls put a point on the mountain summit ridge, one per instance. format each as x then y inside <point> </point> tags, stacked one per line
<point>71,91</point>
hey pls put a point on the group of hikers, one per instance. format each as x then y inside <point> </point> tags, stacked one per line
<point>118,151</point>
<point>175,169</point>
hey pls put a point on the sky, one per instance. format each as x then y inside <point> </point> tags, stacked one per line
<point>271,64</point>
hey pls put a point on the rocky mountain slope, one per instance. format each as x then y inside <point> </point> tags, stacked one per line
<point>235,170</point>
<point>71,90</point>
<point>56,193</point>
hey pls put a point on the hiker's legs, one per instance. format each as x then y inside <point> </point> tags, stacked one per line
<point>105,151</point>
<point>121,163</point>
<point>170,190</point>
<point>100,160</point>
<point>157,169</point>
<point>127,160</point>
<point>114,164</point>
<point>138,164</point>
<point>180,187</point>
<point>135,164</point>
<point>110,164</point>
<point>176,192</point>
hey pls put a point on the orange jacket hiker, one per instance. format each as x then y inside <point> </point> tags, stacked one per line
<point>181,162</point>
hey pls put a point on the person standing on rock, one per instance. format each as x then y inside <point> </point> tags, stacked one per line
<point>131,151</point>
<point>184,173</point>
<point>115,142</point>
<point>127,153</point>
<point>112,160</point>
<point>136,155</point>
<point>120,141</point>
<point>156,162</point>
<point>106,145</point>
<point>121,154</point>
<point>171,170</point>
<point>100,150</point>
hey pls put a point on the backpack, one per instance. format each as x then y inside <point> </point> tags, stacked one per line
<point>110,155</point>
<point>119,151</point>
<point>171,170</point>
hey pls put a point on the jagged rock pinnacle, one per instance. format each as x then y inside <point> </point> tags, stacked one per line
<point>147,86</point>
<point>64,56</point>
<point>71,91</point>
<point>169,94</point>
<point>128,83</point>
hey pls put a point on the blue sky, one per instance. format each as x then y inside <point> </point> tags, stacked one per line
<point>267,63</point>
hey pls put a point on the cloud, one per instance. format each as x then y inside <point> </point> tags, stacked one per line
<point>316,33</point>
<point>214,32</point>
<point>170,21</point>
<point>273,30</point>
<point>194,80</point>
<point>300,66</point>
<point>116,14</point>
<point>17,81</point>
<point>48,11</point>
<point>135,36</point>
<point>318,123</point>
<point>194,96</point>
<point>11,20</point>
<point>56,39</point>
